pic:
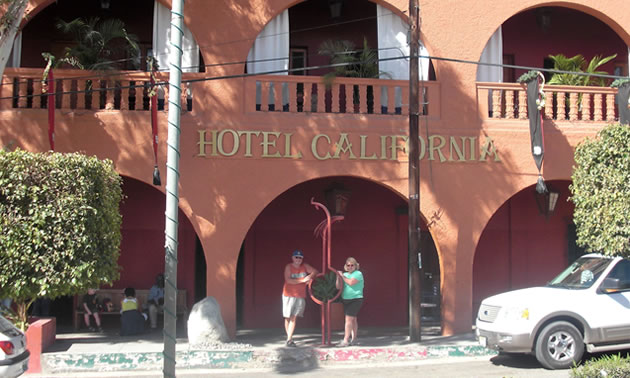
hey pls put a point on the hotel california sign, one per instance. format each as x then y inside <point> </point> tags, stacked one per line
<point>279,145</point>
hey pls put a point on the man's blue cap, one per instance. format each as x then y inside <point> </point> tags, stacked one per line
<point>297,252</point>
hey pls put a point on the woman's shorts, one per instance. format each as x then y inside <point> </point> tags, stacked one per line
<point>292,306</point>
<point>351,307</point>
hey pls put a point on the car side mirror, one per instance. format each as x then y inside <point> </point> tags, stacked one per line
<point>613,285</point>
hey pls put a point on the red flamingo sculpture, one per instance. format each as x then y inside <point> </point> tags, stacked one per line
<point>323,229</point>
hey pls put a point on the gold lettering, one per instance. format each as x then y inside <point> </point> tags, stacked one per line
<point>287,147</point>
<point>266,143</point>
<point>202,143</point>
<point>422,148</point>
<point>248,141</point>
<point>473,148</point>
<point>455,147</point>
<point>343,145</point>
<point>395,146</point>
<point>433,147</point>
<point>488,149</point>
<point>383,147</point>
<point>363,148</point>
<point>314,147</point>
<point>234,147</point>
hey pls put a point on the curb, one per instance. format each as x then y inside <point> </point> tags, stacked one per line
<point>279,358</point>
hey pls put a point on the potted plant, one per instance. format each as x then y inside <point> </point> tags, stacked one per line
<point>95,45</point>
<point>323,289</point>
<point>350,62</point>
<point>578,63</point>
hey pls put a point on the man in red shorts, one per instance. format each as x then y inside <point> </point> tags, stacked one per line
<point>296,275</point>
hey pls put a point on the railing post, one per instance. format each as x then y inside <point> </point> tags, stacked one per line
<point>22,92</point>
<point>610,107</point>
<point>509,104</point>
<point>573,106</point>
<point>292,97</point>
<point>549,105</point>
<point>586,107</point>
<point>321,96</point>
<point>334,98</point>
<point>522,104</point>
<point>496,103</point>
<point>597,111</point>
<point>363,103</point>
<point>124,94</point>
<point>37,93</point>
<point>264,96</point>
<point>562,105</point>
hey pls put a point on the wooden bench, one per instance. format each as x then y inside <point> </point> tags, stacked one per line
<point>116,295</point>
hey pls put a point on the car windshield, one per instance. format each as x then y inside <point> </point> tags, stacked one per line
<point>581,274</point>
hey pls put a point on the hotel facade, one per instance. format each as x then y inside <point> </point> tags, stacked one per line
<point>264,130</point>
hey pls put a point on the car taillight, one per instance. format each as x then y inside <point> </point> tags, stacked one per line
<point>7,347</point>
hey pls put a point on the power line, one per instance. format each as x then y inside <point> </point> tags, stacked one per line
<point>271,72</point>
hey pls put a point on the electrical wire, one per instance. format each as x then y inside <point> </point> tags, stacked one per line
<point>290,70</point>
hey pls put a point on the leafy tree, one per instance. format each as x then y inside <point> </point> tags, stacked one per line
<point>601,191</point>
<point>59,225</point>
<point>96,42</point>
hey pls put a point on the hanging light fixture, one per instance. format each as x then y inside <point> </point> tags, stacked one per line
<point>337,198</point>
<point>335,8</point>
<point>105,4</point>
<point>546,201</point>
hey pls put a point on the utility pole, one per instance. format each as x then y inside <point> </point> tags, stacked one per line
<point>172,191</point>
<point>415,282</point>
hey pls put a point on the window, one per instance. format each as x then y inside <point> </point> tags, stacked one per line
<point>297,59</point>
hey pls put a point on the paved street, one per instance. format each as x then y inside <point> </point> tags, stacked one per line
<point>461,367</point>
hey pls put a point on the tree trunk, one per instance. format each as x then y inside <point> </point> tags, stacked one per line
<point>9,25</point>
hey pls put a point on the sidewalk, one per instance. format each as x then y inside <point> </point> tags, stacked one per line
<point>252,349</point>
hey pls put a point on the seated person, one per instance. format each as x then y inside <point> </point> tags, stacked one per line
<point>131,319</point>
<point>156,299</point>
<point>90,308</point>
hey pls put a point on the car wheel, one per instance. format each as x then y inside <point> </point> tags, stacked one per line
<point>559,346</point>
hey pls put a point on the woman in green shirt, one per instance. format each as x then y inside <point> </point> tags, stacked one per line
<point>352,298</point>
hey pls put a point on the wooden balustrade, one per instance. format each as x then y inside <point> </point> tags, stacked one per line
<point>88,90</point>
<point>309,94</point>
<point>562,103</point>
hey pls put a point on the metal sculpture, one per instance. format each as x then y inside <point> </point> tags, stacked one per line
<point>323,229</point>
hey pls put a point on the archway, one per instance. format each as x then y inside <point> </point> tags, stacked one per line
<point>521,247</point>
<point>374,231</point>
<point>551,31</point>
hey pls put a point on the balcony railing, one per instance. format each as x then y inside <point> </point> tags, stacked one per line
<point>563,103</point>
<point>309,94</point>
<point>24,88</point>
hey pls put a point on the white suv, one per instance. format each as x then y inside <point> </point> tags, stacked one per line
<point>587,307</point>
<point>14,356</point>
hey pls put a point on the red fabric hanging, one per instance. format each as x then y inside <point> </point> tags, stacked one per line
<point>51,110</point>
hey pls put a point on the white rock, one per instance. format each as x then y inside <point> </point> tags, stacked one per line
<point>205,324</point>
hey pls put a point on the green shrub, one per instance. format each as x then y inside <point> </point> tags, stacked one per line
<point>59,225</point>
<point>601,191</point>
<point>613,366</point>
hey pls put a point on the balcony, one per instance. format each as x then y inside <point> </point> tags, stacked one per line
<point>23,88</point>
<point>563,103</point>
<point>309,94</point>
<point>129,91</point>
